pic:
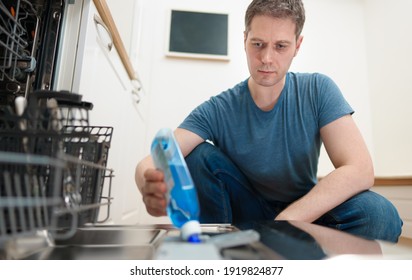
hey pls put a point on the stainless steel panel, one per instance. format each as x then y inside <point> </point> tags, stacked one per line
<point>112,236</point>
<point>143,252</point>
<point>104,243</point>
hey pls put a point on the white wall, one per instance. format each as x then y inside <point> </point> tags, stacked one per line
<point>388,25</point>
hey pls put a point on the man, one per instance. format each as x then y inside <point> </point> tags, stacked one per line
<point>267,132</point>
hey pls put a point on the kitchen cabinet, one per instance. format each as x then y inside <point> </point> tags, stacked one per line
<point>100,77</point>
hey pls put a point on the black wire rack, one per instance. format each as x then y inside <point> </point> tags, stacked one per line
<point>53,167</point>
<point>19,39</point>
<point>24,181</point>
<point>14,40</point>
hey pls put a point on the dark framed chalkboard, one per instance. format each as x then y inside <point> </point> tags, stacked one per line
<point>198,35</point>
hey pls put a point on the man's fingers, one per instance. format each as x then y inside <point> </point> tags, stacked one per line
<point>153,175</point>
<point>155,206</point>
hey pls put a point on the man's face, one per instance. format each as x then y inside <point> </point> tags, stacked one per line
<point>270,47</point>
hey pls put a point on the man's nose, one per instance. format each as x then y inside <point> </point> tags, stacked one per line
<point>268,55</point>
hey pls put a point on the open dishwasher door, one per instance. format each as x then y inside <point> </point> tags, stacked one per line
<point>156,242</point>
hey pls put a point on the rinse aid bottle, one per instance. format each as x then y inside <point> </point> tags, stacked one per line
<point>183,204</point>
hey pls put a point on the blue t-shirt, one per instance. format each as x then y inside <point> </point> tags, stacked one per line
<point>278,150</point>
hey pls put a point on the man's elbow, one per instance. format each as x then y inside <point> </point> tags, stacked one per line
<point>367,176</point>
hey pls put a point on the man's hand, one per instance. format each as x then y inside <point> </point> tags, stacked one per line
<point>154,192</point>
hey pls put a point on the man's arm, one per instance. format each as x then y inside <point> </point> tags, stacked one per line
<point>150,181</point>
<point>187,140</point>
<point>353,172</point>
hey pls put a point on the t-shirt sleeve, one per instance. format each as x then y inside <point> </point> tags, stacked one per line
<point>332,105</point>
<point>201,121</point>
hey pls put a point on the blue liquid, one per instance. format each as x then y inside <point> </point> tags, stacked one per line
<point>183,205</point>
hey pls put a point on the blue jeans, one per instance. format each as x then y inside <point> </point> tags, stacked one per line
<point>226,196</point>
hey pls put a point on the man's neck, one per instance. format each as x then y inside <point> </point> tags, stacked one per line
<point>265,97</point>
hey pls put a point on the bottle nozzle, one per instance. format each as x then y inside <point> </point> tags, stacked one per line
<point>190,231</point>
<point>194,238</point>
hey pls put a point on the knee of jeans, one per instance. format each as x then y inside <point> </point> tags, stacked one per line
<point>382,212</point>
<point>395,222</point>
<point>370,215</point>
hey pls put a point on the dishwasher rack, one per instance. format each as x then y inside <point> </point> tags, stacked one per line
<point>19,39</point>
<point>15,40</point>
<point>53,168</point>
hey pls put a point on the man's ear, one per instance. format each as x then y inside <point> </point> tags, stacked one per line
<point>298,44</point>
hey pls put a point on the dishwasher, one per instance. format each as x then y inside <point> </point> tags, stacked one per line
<point>53,171</point>
<point>53,163</point>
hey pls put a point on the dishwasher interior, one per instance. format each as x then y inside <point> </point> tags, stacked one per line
<point>53,163</point>
<point>53,169</point>
<point>29,39</point>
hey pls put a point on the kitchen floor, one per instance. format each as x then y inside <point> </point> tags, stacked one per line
<point>407,242</point>
<point>400,250</point>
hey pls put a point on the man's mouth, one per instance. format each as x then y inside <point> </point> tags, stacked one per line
<point>266,71</point>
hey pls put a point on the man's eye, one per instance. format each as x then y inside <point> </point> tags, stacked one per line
<point>281,46</point>
<point>257,44</point>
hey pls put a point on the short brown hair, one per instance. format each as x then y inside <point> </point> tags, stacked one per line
<point>292,9</point>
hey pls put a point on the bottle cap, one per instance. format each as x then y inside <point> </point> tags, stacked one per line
<point>190,231</point>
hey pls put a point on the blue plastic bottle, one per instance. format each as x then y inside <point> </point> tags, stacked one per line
<point>183,204</point>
